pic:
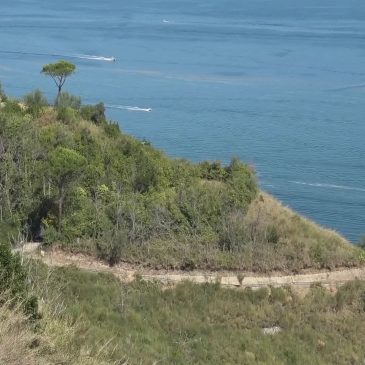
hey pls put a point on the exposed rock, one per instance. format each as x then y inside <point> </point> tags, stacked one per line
<point>271,331</point>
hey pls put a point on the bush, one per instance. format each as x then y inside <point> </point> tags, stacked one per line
<point>243,182</point>
<point>213,171</point>
<point>66,114</point>
<point>112,130</point>
<point>95,113</point>
<point>12,274</point>
<point>12,107</point>
<point>110,245</point>
<point>66,100</point>
<point>50,235</point>
<point>272,234</point>
<point>35,102</point>
<point>13,281</point>
<point>9,229</point>
<point>233,235</point>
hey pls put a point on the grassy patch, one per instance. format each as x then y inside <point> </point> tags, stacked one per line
<point>205,324</point>
<point>16,336</point>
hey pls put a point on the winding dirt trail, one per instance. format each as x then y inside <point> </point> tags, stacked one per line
<point>127,273</point>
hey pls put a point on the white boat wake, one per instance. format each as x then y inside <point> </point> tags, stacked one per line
<point>129,108</point>
<point>77,56</point>
<point>329,186</point>
<point>96,58</point>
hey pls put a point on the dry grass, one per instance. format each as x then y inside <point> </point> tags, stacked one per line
<point>303,244</point>
<point>47,117</point>
<point>60,338</point>
<point>265,212</point>
<point>269,238</point>
<point>16,337</point>
<point>54,341</point>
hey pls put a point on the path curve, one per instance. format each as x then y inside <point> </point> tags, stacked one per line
<point>127,273</point>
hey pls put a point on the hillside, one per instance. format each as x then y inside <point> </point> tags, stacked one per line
<point>73,181</point>
<point>88,318</point>
<point>70,177</point>
<point>72,317</point>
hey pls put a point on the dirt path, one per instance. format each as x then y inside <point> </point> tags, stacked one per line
<point>127,273</point>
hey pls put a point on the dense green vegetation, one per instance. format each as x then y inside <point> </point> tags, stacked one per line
<point>69,176</point>
<point>206,324</point>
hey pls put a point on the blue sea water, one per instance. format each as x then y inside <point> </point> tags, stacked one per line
<point>280,84</point>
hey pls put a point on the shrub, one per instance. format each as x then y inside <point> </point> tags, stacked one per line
<point>67,100</point>
<point>278,295</point>
<point>110,246</point>
<point>35,102</point>
<point>112,130</point>
<point>272,234</point>
<point>94,113</point>
<point>243,181</point>
<point>13,281</point>
<point>9,229</point>
<point>12,274</point>
<point>50,235</point>
<point>188,264</point>
<point>213,171</point>
<point>12,107</point>
<point>233,234</point>
<point>66,114</point>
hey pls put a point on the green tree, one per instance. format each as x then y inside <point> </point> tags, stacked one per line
<point>66,167</point>
<point>59,72</point>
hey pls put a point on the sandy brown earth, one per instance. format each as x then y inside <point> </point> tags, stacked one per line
<point>127,273</point>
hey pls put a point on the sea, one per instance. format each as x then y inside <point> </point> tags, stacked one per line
<point>280,84</point>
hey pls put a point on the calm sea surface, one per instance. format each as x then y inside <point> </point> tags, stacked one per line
<point>280,84</point>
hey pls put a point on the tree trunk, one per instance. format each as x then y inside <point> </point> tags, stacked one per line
<point>60,206</point>
<point>58,94</point>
